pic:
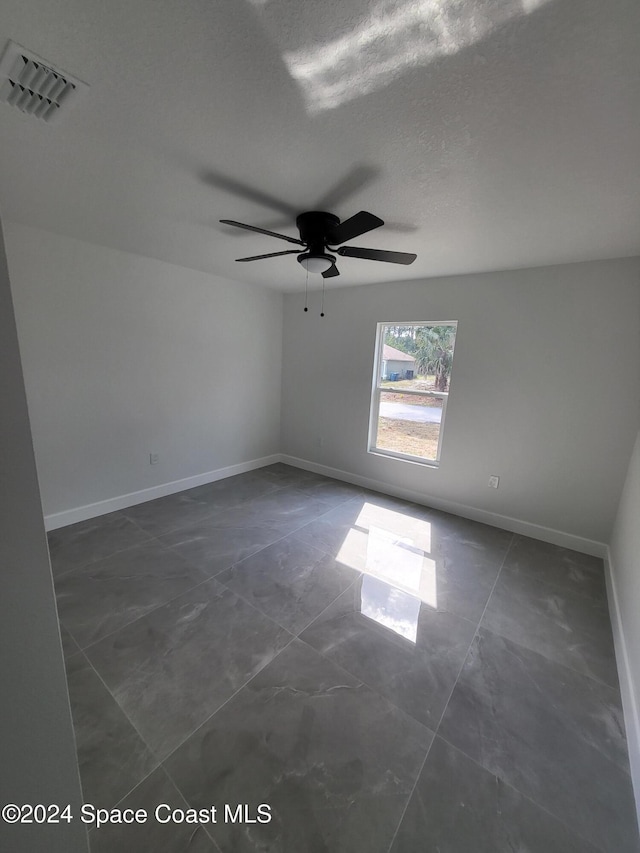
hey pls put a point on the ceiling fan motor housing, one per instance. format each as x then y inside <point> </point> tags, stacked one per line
<point>315,229</point>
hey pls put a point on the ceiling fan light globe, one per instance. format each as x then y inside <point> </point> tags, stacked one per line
<point>316,263</point>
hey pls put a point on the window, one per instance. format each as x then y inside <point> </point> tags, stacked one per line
<point>411,383</point>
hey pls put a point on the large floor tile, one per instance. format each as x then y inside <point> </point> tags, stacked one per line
<point>335,761</point>
<point>288,475</point>
<point>69,645</point>
<point>287,509</point>
<point>555,735</point>
<point>173,668</point>
<point>468,556</point>
<point>568,570</point>
<point>152,836</point>
<point>102,597</point>
<point>83,543</point>
<point>396,643</point>
<point>451,567</point>
<point>290,581</point>
<point>111,754</point>
<point>570,628</point>
<point>459,807</point>
<point>169,513</point>
<point>331,492</point>
<point>234,491</point>
<point>213,549</point>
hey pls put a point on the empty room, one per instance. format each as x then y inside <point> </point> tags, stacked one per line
<point>320,443</point>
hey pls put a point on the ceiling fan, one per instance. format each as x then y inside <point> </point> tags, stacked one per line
<point>320,234</point>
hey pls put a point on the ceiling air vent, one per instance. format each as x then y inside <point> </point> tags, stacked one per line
<point>33,86</point>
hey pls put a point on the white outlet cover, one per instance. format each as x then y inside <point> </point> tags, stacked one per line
<point>494,481</point>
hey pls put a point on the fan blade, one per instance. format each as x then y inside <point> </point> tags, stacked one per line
<point>376,255</point>
<point>262,231</point>
<point>331,272</point>
<point>271,255</point>
<point>356,225</point>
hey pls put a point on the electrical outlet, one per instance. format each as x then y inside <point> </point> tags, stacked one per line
<point>154,458</point>
<point>494,481</point>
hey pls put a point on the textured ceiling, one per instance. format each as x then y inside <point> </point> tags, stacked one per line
<point>488,135</point>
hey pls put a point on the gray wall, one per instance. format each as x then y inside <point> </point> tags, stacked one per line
<point>125,355</point>
<point>37,753</point>
<point>543,392</point>
<point>625,569</point>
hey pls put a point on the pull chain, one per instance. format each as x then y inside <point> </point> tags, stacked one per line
<point>306,291</point>
<point>322,303</point>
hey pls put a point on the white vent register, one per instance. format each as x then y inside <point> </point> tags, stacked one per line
<point>33,86</point>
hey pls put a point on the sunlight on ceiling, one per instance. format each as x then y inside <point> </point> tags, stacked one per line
<point>396,35</point>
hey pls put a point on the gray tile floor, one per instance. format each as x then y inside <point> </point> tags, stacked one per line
<point>384,676</point>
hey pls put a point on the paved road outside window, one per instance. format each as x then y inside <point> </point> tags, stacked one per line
<point>407,412</point>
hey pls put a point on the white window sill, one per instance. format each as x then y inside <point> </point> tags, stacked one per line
<point>400,457</point>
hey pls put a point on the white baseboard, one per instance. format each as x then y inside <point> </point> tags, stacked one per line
<point>514,525</point>
<point>82,513</point>
<point>627,687</point>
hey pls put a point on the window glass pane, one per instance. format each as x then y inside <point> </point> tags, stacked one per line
<point>414,357</point>
<point>419,357</point>
<point>409,424</point>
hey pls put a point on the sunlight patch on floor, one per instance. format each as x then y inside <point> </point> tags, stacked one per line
<point>393,548</point>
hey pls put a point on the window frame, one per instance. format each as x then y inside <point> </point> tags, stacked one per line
<point>376,390</point>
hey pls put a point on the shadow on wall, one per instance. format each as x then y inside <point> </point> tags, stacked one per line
<point>380,44</point>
